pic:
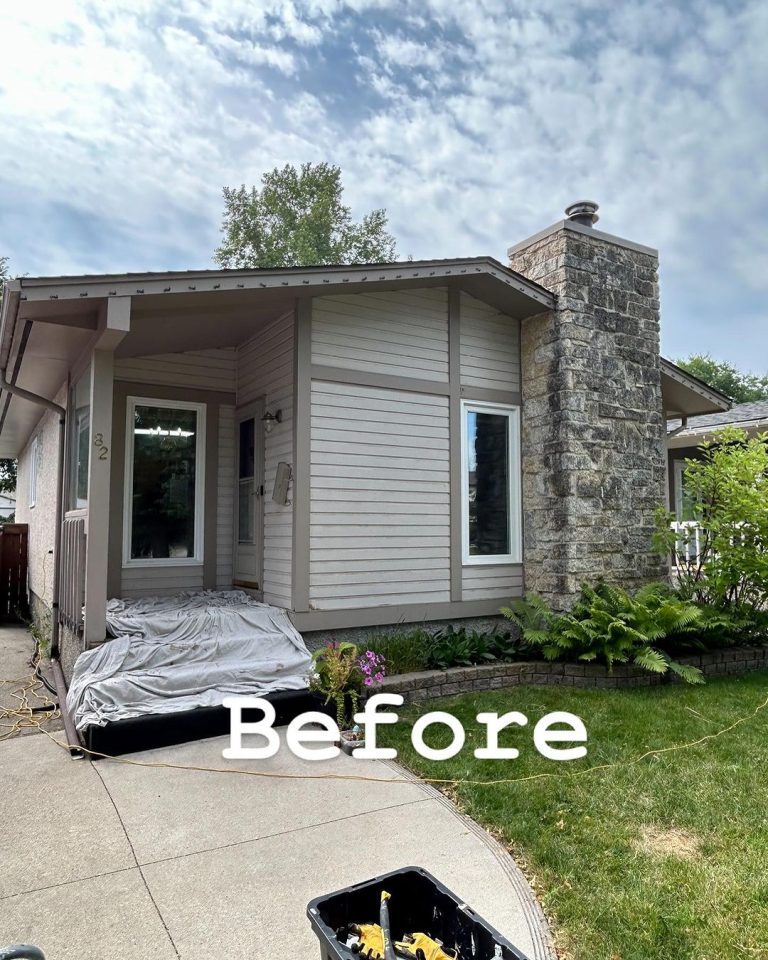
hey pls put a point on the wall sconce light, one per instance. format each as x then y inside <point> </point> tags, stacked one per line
<point>270,419</point>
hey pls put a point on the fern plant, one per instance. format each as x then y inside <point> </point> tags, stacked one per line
<point>607,624</point>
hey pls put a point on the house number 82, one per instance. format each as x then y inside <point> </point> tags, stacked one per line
<point>98,442</point>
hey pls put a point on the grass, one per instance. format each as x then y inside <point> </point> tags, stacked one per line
<point>666,858</point>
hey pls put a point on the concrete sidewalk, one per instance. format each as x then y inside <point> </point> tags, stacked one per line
<point>108,860</point>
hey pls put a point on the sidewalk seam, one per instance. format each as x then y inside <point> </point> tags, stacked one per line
<point>136,861</point>
<point>281,833</point>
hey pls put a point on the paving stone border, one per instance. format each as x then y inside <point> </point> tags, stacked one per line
<point>431,684</point>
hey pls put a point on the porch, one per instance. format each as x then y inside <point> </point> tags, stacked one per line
<point>176,465</point>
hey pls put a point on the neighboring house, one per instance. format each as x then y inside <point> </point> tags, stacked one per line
<point>7,505</point>
<point>684,438</point>
<point>362,445</point>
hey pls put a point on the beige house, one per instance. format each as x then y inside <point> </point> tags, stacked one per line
<point>360,445</point>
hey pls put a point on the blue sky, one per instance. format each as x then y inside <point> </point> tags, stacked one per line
<point>474,122</point>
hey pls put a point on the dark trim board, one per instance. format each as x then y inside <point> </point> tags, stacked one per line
<point>166,729</point>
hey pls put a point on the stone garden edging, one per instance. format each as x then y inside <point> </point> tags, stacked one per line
<point>431,684</point>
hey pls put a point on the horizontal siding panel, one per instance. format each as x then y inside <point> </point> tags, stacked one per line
<point>353,603</point>
<point>491,581</point>
<point>201,369</point>
<point>489,347</point>
<point>400,333</point>
<point>380,512</point>
<point>160,581</point>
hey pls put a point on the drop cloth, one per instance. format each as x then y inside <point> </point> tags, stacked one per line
<point>171,654</point>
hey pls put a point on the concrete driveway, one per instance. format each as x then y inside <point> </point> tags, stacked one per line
<point>107,860</point>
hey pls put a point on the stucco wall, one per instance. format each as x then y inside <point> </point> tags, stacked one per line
<point>42,517</point>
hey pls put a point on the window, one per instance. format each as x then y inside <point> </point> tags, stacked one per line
<point>80,440</point>
<point>35,456</point>
<point>683,499</point>
<point>165,457</point>
<point>491,514</point>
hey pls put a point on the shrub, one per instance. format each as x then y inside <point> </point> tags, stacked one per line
<point>340,673</point>
<point>607,624</point>
<point>728,492</point>
<point>458,647</point>
<point>451,647</point>
<point>405,651</point>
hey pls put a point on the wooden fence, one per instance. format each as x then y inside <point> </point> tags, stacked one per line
<point>14,603</point>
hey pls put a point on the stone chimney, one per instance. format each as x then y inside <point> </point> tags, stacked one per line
<point>593,432</point>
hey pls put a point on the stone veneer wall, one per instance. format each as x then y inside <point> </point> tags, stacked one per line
<point>592,427</point>
<point>432,684</point>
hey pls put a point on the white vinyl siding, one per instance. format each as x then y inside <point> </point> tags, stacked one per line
<point>401,333</point>
<point>492,582</point>
<point>380,514</point>
<point>265,369</point>
<point>226,496</point>
<point>201,369</point>
<point>490,347</point>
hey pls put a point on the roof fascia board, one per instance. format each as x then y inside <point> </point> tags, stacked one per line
<point>693,383</point>
<point>587,232</point>
<point>312,278</point>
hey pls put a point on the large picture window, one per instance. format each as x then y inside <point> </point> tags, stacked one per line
<point>165,455</point>
<point>491,515</point>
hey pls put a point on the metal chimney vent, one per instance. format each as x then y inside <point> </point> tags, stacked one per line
<point>584,212</point>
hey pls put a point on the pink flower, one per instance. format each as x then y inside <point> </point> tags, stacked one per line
<point>379,677</point>
<point>368,681</point>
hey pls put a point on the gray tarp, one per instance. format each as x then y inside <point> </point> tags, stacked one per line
<point>176,653</point>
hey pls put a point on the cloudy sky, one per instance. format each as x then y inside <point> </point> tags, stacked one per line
<point>474,122</point>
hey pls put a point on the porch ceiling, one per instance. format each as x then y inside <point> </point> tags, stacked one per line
<point>48,350</point>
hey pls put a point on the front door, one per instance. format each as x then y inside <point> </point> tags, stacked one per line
<point>249,496</point>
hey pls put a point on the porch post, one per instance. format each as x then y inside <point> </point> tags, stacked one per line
<point>115,327</point>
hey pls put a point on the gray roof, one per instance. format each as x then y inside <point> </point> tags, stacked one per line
<point>741,415</point>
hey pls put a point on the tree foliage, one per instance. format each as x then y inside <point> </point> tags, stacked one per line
<point>725,377</point>
<point>727,566</point>
<point>297,218</point>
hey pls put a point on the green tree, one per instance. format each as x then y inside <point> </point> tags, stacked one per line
<point>725,561</point>
<point>297,218</point>
<point>725,377</point>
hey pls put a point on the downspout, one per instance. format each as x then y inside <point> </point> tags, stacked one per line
<point>17,391</point>
<point>12,292</point>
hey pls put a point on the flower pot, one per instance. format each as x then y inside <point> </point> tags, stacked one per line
<point>350,742</point>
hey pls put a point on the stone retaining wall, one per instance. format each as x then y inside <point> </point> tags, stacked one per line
<point>431,684</point>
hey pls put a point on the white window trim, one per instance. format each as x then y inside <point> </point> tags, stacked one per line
<point>515,505</point>
<point>200,457</point>
<point>34,465</point>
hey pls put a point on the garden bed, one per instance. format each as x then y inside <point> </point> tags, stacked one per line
<point>431,684</point>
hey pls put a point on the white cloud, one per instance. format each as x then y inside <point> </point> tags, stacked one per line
<point>473,123</point>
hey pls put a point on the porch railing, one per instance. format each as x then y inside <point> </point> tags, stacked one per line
<point>687,542</point>
<point>72,587</point>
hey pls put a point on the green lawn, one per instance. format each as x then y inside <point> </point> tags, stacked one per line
<point>665,859</point>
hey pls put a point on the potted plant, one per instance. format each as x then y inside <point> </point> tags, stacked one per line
<point>341,676</point>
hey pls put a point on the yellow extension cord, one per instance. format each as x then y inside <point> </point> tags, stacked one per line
<point>427,780</point>
<point>22,716</point>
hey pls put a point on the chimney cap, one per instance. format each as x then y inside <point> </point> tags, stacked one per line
<point>583,211</point>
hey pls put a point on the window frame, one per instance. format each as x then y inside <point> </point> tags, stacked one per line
<point>35,449</point>
<point>515,516</point>
<point>200,457</point>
